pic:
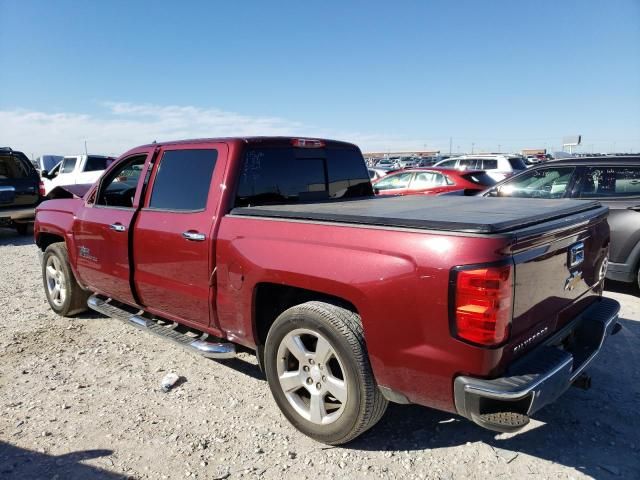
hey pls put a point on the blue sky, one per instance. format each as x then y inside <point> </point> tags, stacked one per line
<point>386,75</point>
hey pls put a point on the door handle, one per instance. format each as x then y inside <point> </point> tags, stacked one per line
<point>194,236</point>
<point>118,227</point>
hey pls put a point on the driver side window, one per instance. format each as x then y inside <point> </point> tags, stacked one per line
<point>119,188</point>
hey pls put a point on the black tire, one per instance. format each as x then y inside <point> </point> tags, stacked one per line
<point>22,228</point>
<point>342,329</point>
<point>75,298</point>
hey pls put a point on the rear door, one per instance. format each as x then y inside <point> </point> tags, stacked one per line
<point>102,228</point>
<point>18,181</point>
<point>173,241</point>
<point>617,187</point>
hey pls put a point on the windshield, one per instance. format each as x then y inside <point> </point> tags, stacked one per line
<point>282,175</point>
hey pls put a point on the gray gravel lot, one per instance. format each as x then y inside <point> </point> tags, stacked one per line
<point>80,399</point>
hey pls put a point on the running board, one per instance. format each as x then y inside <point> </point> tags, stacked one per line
<point>201,344</point>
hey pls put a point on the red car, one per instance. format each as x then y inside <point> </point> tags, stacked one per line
<point>350,300</point>
<point>432,181</point>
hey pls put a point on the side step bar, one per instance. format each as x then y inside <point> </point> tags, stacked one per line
<point>202,344</point>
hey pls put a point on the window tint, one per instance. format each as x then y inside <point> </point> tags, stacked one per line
<point>428,180</point>
<point>288,175</point>
<point>469,164</point>
<point>541,183</point>
<point>394,181</point>
<point>119,187</point>
<point>12,167</point>
<point>610,182</point>
<point>489,164</point>
<point>448,164</point>
<point>183,179</point>
<point>68,164</point>
<point>517,163</point>
<point>95,163</point>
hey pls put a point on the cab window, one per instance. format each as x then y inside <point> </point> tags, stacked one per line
<point>68,165</point>
<point>119,188</point>
<point>540,183</point>
<point>610,182</point>
<point>183,180</point>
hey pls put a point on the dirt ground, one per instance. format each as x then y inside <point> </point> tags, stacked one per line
<point>80,399</point>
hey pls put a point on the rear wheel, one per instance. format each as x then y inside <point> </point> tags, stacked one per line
<point>318,371</point>
<point>63,293</point>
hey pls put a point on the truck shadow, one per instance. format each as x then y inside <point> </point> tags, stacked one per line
<point>9,237</point>
<point>597,432</point>
<point>20,463</point>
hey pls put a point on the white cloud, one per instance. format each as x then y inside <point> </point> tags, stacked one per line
<point>122,126</point>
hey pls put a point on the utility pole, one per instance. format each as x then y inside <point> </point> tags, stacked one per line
<point>85,148</point>
<point>472,147</point>
<point>499,148</point>
<point>450,144</point>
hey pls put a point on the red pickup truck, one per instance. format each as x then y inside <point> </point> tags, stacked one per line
<point>486,307</point>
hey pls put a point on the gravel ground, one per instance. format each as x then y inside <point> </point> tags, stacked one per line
<point>80,399</point>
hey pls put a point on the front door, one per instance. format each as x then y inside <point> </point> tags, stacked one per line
<point>102,231</point>
<point>173,244</point>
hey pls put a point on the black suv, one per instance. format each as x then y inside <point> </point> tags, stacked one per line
<point>614,181</point>
<point>19,190</point>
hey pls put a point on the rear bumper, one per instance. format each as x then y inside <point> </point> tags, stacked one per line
<point>18,214</point>
<point>505,404</point>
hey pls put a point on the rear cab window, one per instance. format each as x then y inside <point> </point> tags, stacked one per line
<point>614,181</point>
<point>479,178</point>
<point>284,175</point>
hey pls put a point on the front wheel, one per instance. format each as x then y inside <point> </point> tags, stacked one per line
<point>318,371</point>
<point>63,293</point>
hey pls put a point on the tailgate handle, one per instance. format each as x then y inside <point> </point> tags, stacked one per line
<point>118,227</point>
<point>194,236</point>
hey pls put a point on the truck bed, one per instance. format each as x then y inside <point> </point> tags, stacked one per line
<point>453,214</point>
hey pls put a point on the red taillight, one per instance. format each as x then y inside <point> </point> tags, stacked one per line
<point>482,305</point>
<point>307,143</point>
<point>41,188</point>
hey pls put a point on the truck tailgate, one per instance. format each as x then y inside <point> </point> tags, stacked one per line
<point>559,270</point>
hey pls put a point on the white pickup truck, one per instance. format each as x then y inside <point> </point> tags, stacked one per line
<point>75,169</point>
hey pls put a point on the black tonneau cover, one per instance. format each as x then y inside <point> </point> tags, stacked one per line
<point>459,214</point>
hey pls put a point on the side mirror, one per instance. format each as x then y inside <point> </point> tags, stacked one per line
<point>376,190</point>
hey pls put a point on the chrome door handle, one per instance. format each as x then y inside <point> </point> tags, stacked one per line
<point>118,227</point>
<point>194,236</point>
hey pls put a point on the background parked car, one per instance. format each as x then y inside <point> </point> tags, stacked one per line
<point>76,169</point>
<point>19,190</point>
<point>431,181</point>
<point>376,173</point>
<point>498,167</point>
<point>387,164</point>
<point>614,181</point>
